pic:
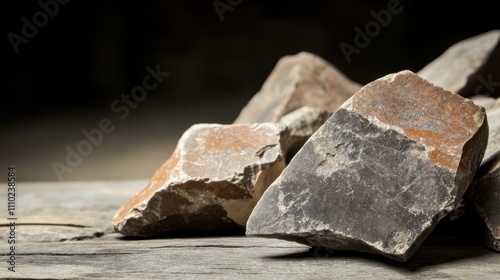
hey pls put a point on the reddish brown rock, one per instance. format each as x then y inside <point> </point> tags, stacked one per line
<point>212,180</point>
<point>380,174</point>
<point>297,81</point>
<point>468,67</point>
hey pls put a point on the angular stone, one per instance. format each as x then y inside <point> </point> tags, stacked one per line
<point>493,113</point>
<point>380,173</point>
<point>466,67</point>
<point>303,122</point>
<point>213,180</point>
<point>485,189</point>
<point>297,81</point>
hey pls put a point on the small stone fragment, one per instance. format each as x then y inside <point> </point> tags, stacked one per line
<point>468,67</point>
<point>303,122</point>
<point>493,113</point>
<point>213,180</point>
<point>492,107</point>
<point>297,81</point>
<point>380,173</point>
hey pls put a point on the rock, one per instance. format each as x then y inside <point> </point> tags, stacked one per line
<point>467,66</point>
<point>492,107</point>
<point>493,114</point>
<point>213,180</point>
<point>380,173</point>
<point>485,194</point>
<point>303,122</point>
<point>297,81</point>
<point>485,189</point>
<point>483,100</point>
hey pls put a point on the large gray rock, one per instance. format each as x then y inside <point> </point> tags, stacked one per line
<point>213,179</point>
<point>468,67</point>
<point>297,81</point>
<point>380,173</point>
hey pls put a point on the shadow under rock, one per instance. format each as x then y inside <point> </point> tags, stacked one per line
<point>451,241</point>
<point>425,256</point>
<point>190,234</point>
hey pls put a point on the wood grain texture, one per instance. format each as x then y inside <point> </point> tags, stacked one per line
<point>55,211</point>
<point>42,254</point>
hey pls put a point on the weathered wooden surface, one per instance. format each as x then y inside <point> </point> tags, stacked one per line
<point>71,216</point>
<point>53,211</point>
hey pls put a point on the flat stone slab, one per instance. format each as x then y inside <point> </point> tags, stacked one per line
<point>492,107</point>
<point>297,81</point>
<point>493,113</point>
<point>212,181</point>
<point>380,173</point>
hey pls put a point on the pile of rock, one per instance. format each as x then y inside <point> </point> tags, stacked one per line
<point>377,166</point>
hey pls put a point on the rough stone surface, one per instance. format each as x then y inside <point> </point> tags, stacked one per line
<point>467,65</point>
<point>493,113</point>
<point>297,81</point>
<point>380,173</point>
<point>492,107</point>
<point>303,122</point>
<point>485,189</point>
<point>213,180</point>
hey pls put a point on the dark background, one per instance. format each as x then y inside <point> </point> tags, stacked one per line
<point>65,78</point>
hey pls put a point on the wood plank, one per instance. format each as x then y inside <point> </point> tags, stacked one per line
<point>55,211</point>
<point>239,258</point>
<point>81,212</point>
